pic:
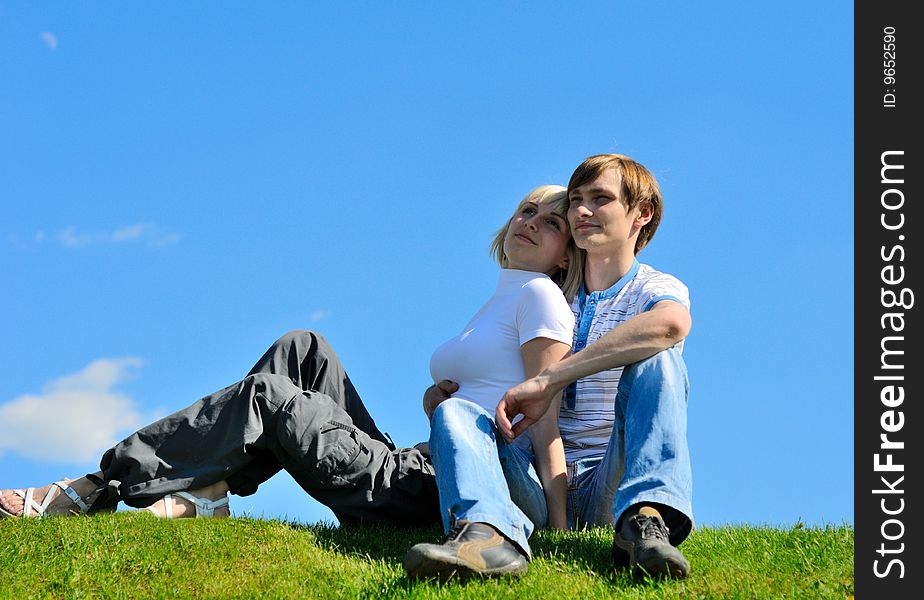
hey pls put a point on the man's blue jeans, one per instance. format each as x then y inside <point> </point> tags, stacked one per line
<point>647,459</point>
<point>482,478</point>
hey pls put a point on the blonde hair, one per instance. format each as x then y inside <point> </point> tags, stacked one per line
<point>556,196</point>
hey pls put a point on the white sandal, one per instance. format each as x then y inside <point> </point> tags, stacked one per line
<point>32,509</point>
<point>203,506</point>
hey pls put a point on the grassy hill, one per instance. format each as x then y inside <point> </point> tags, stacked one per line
<point>136,555</point>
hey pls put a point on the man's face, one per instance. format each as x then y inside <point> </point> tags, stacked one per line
<point>599,217</point>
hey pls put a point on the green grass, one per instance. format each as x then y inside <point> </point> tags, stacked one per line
<point>131,555</point>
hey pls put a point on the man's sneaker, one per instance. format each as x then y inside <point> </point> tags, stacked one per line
<point>469,549</point>
<point>644,538</point>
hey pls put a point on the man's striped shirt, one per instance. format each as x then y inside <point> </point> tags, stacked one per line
<point>588,405</point>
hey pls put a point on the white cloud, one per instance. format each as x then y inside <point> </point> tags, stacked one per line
<point>132,232</point>
<point>70,237</point>
<point>318,315</point>
<point>75,418</point>
<point>50,39</point>
<point>166,240</point>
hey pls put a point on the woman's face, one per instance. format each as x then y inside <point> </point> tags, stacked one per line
<point>537,239</point>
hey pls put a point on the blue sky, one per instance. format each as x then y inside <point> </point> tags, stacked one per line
<point>181,185</point>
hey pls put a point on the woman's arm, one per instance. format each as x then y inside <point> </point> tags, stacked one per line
<point>537,355</point>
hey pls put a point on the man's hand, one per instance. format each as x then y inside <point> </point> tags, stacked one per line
<point>436,394</point>
<point>532,399</point>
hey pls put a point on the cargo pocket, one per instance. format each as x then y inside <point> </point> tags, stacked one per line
<point>338,446</point>
<point>319,443</point>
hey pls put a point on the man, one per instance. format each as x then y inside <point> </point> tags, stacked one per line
<point>623,415</point>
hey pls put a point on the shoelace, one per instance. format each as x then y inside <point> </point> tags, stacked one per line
<point>455,531</point>
<point>651,528</point>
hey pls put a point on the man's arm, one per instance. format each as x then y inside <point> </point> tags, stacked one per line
<point>636,339</point>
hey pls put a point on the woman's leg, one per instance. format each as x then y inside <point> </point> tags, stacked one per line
<point>305,432</point>
<point>65,497</point>
<point>248,431</point>
<point>195,447</point>
<point>342,466</point>
<point>305,358</point>
<point>525,487</point>
<point>210,501</point>
<point>308,360</point>
<point>322,435</point>
<point>486,531</point>
<point>472,466</point>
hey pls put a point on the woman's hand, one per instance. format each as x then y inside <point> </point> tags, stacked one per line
<point>435,394</point>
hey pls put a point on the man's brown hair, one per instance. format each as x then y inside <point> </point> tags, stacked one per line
<point>638,184</point>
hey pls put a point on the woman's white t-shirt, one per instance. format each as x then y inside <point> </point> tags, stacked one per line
<point>485,358</point>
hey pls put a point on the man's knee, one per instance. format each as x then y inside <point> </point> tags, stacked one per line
<point>667,364</point>
<point>667,359</point>
<point>657,381</point>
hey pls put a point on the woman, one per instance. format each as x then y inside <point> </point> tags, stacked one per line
<point>297,410</point>
<point>492,494</point>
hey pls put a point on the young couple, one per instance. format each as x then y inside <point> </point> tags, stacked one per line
<point>600,384</point>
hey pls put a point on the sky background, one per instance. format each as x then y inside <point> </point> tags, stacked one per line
<point>181,184</point>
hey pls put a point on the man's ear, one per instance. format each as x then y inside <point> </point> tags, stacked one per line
<point>645,214</point>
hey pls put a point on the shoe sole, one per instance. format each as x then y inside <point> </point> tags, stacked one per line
<point>423,567</point>
<point>661,568</point>
<point>652,566</point>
